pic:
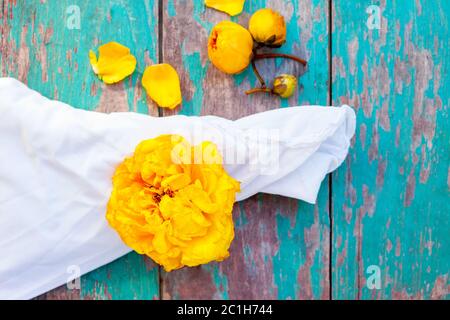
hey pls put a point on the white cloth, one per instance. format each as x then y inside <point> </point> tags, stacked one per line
<point>57,162</point>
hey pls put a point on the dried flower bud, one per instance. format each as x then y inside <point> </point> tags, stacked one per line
<point>284,85</point>
<point>268,28</point>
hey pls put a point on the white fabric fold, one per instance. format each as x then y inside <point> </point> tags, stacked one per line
<point>57,162</point>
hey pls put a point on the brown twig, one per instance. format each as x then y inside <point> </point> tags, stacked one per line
<point>258,75</point>
<point>254,90</point>
<point>259,56</point>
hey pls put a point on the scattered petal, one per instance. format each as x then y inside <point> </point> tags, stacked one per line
<point>114,63</point>
<point>162,84</point>
<point>232,7</point>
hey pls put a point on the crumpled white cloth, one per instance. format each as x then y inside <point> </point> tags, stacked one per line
<point>57,162</point>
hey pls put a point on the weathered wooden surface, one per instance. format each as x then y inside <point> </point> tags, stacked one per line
<point>389,199</point>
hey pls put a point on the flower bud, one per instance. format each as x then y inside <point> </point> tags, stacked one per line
<point>284,85</point>
<point>268,28</point>
<point>230,47</point>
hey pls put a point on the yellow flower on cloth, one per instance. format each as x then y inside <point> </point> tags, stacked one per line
<point>173,202</point>
<point>232,7</point>
<point>230,47</point>
<point>114,63</point>
<point>162,84</point>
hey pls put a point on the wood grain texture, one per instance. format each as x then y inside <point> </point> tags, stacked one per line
<point>39,49</point>
<point>391,197</point>
<point>281,245</point>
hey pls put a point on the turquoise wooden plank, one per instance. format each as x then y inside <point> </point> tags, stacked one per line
<point>40,47</point>
<point>131,277</point>
<point>390,199</point>
<point>281,247</point>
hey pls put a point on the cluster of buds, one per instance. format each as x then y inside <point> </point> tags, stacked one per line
<point>231,48</point>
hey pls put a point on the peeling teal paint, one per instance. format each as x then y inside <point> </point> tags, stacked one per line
<point>194,105</point>
<point>403,208</point>
<point>171,8</point>
<point>130,277</point>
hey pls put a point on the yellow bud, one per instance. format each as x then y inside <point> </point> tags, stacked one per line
<point>268,28</point>
<point>230,47</point>
<point>284,85</point>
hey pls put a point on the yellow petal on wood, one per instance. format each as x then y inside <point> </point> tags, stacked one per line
<point>162,84</point>
<point>232,7</point>
<point>114,63</point>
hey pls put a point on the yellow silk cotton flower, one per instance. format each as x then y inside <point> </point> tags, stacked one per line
<point>162,84</point>
<point>232,7</point>
<point>173,202</point>
<point>268,27</point>
<point>114,63</point>
<point>230,47</point>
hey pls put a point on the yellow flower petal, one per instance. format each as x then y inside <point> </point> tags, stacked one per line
<point>162,84</point>
<point>114,63</point>
<point>232,7</point>
<point>160,242</point>
<point>176,181</point>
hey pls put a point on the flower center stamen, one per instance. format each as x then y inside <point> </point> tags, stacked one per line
<point>169,192</point>
<point>213,40</point>
<point>157,198</point>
